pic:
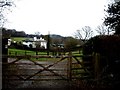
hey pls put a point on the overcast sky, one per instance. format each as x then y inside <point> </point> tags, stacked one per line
<point>61,17</point>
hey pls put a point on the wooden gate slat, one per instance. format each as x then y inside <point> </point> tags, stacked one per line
<point>46,68</point>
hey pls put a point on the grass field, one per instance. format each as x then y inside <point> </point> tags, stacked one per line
<point>19,39</point>
<point>24,52</point>
<point>28,52</point>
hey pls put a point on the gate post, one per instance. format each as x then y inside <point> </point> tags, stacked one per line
<point>4,49</point>
<point>4,60</point>
<point>48,44</point>
<point>69,73</point>
<point>96,57</point>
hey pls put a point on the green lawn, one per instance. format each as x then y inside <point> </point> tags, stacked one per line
<point>24,52</point>
<point>28,52</point>
<point>19,39</point>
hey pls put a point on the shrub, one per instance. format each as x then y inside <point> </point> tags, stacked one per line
<point>108,46</point>
<point>105,45</point>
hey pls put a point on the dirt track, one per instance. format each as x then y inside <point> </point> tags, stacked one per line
<point>50,81</point>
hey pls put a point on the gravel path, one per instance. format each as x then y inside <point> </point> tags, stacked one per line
<point>50,81</point>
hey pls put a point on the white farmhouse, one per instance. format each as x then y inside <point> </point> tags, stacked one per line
<point>41,41</point>
<point>35,42</point>
<point>29,43</point>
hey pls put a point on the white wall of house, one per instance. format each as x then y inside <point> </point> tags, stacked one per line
<point>9,42</point>
<point>42,42</point>
<point>29,43</point>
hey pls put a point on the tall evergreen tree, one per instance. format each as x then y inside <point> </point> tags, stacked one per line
<point>113,18</point>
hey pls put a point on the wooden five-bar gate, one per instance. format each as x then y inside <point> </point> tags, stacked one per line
<point>26,68</point>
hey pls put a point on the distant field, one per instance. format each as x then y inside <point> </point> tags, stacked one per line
<point>19,39</point>
<point>28,52</point>
<point>24,52</point>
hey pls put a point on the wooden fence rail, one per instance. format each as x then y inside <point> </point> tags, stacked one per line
<point>74,67</point>
<point>72,60</point>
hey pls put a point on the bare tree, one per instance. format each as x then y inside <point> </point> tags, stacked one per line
<point>88,33</point>
<point>84,34</point>
<point>4,8</point>
<point>102,30</point>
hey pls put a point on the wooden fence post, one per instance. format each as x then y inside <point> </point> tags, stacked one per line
<point>16,53</point>
<point>25,52</point>
<point>36,53</point>
<point>97,66</point>
<point>69,66</point>
<point>9,53</point>
<point>4,49</point>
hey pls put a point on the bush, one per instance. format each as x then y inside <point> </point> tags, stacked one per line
<point>108,46</point>
<point>105,45</point>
